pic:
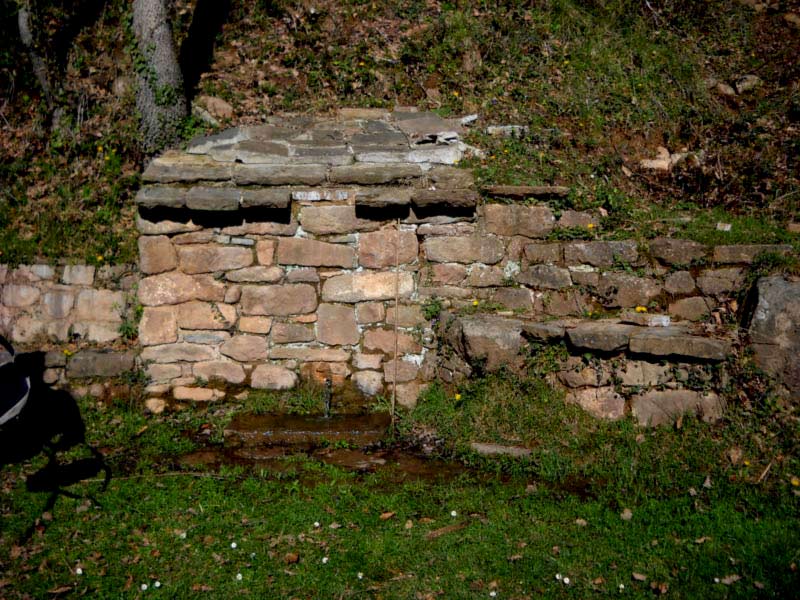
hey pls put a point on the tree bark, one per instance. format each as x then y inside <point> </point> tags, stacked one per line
<point>39,66</point>
<point>160,96</point>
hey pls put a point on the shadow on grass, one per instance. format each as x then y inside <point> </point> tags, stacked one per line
<point>49,423</point>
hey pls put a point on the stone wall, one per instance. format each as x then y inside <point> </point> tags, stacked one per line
<point>275,253</point>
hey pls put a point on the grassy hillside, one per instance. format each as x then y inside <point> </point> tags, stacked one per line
<point>600,84</point>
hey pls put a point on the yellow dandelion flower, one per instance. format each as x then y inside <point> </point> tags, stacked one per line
<point>361,63</point>
<point>458,396</point>
<point>795,481</point>
<point>474,303</point>
<point>99,149</point>
<point>455,94</point>
<point>99,257</point>
<point>746,463</point>
<point>66,352</point>
<point>590,226</point>
<point>107,157</point>
<point>641,309</point>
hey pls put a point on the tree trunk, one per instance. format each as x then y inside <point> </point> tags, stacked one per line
<point>160,97</point>
<point>39,66</point>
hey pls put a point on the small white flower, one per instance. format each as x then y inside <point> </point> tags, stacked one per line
<point>238,577</point>
<point>621,586</point>
<point>558,577</point>
<point>157,584</point>
<point>492,594</point>
<point>233,545</point>
<point>78,571</point>
<point>324,560</point>
<point>316,524</point>
<point>716,579</point>
<point>252,555</point>
<point>183,535</point>
<point>566,580</point>
<point>453,513</point>
<point>360,575</point>
<point>144,587</point>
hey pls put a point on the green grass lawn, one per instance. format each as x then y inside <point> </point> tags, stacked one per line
<point>705,503</point>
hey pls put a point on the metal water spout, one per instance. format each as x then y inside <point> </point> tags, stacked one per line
<point>328,395</point>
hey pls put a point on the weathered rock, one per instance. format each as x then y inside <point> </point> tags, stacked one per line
<point>384,341</point>
<point>601,254</point>
<point>601,402</point>
<point>88,363</point>
<point>367,174</point>
<point>564,303</point>
<point>255,324</point>
<point>197,394</point>
<point>206,258</point>
<point>677,252</point>
<point>365,286</point>
<point>264,174</point>
<point>679,283</point>
<point>258,274</point>
<point>205,315</point>
<point>219,370</point>
<point>545,331</point>
<point>627,291</point>
<point>245,348</point>
<point>265,252</point>
<point>268,198</point>
<point>213,198</point>
<point>370,312</point>
<point>163,373</point>
<point>174,288</point>
<point>181,351</point>
<point>278,300</point>
<point>543,253</point>
<point>601,335</point>
<point>408,315</point>
<point>573,218</point>
<point>456,249</point>
<point>163,196</point>
<point>528,221</point>
<point>370,383</point>
<point>775,331</point>
<point>386,247</point>
<point>546,277</point>
<point>334,219</point>
<point>273,377</point>
<point>156,254</point>
<point>577,374</point>
<point>158,325</point>
<point>20,296</point>
<point>288,333</point>
<point>447,273</point>
<point>300,251</point>
<point>406,370</point>
<point>367,361</point>
<point>485,276</point>
<point>408,394</point>
<point>78,275</point>
<point>655,407</point>
<point>720,281</point>
<point>309,354</point>
<point>164,226</point>
<point>445,197</point>
<point>100,305</point>
<point>336,325</point>
<point>639,373</point>
<point>490,341</point>
<point>747,253</point>
<point>692,309</point>
<point>383,197</point>
<point>673,341</point>
<point>514,298</point>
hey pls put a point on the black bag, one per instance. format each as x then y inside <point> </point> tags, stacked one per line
<point>15,386</point>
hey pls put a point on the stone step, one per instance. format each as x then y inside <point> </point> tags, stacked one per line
<point>305,431</point>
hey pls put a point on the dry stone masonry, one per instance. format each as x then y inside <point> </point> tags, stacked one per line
<point>353,249</point>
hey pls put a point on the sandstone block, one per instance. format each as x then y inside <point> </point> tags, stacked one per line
<point>20,296</point>
<point>464,198</point>
<point>370,383</point>
<point>309,354</point>
<point>575,218</point>
<point>467,249</point>
<point>746,253</point>
<point>448,273</point>
<point>163,373</point>
<point>197,394</point>
<point>245,348</point>
<point>87,363</point>
<point>720,281</point>
<point>381,249</point>
<point>100,305</point>
<point>367,174</point>
<point>321,372</point>
<point>312,253</point>
<point>514,298</point>
<point>367,361</point>
<point>156,254</point>
<point>602,402</point>
<point>493,341</point>
<point>370,312</point>
<point>485,276</point>
<point>219,370</point>
<point>383,340</point>
<point>264,174</point>
<point>408,315</point>
<point>181,351</point>
<point>158,325</point>
<point>265,252</point>
<point>543,253</point>
<point>255,324</point>
<point>266,198</point>
<point>174,288</point>
<point>272,377</point>
<point>288,333</point>
<point>677,252</point>
<point>255,275</point>
<point>408,394</point>
<point>206,258</point>
<point>548,277</point>
<point>679,283</point>
<point>302,275</point>
<point>57,304</point>
<point>155,405</point>
<point>78,275</point>
<point>639,373</point>
<point>576,374</point>
<point>672,341</point>
<point>627,291</point>
<point>365,286</point>
<point>205,315</point>
<point>336,325</point>
<point>600,335</point>
<point>514,219</point>
<point>691,309</point>
<point>207,338</point>
<point>163,226</point>
<point>664,407</point>
<point>279,300</point>
<point>406,370</point>
<point>601,254</point>
<point>334,219</point>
